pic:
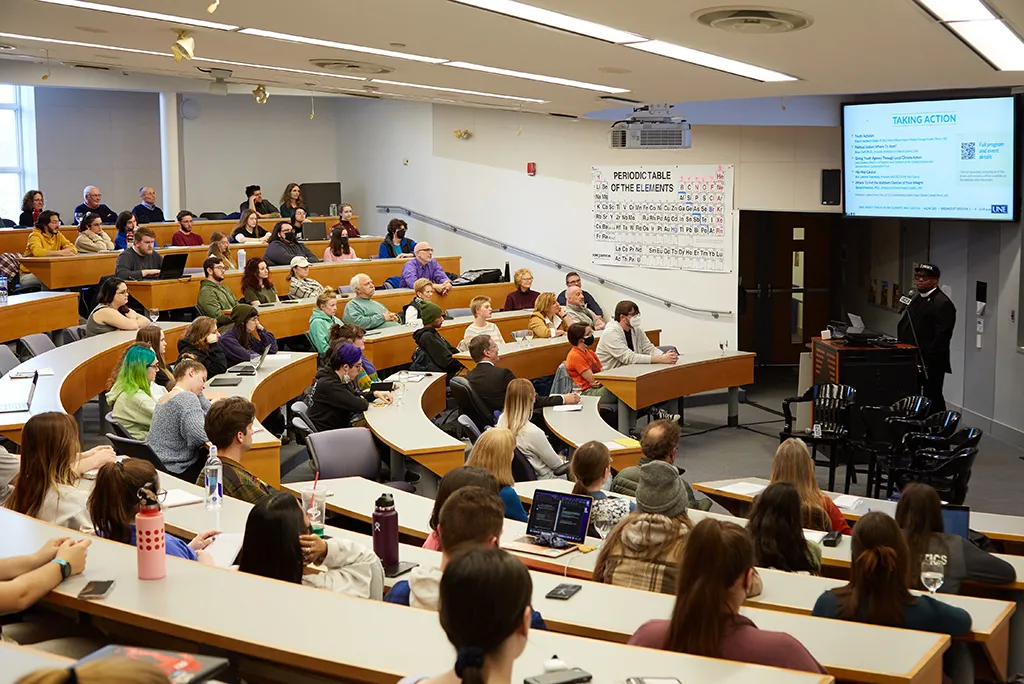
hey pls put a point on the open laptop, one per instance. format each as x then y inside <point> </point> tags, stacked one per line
<point>249,367</point>
<point>856,323</point>
<point>564,515</point>
<point>172,267</point>
<point>314,230</point>
<point>956,520</point>
<point>22,406</point>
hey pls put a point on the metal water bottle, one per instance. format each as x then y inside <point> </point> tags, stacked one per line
<point>385,530</point>
<point>149,537</point>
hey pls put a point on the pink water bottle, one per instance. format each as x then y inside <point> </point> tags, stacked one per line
<point>385,530</point>
<point>149,537</point>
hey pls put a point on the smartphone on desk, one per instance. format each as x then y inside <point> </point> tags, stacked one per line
<point>564,591</point>
<point>832,539</point>
<point>96,590</point>
<point>573,676</point>
<point>653,680</point>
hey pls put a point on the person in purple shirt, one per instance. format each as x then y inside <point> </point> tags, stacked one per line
<point>425,266</point>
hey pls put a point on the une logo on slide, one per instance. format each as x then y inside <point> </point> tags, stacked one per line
<point>1000,209</point>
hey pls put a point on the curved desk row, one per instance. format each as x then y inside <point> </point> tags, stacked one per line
<point>287,636</point>
<point>579,427</point>
<point>37,312</point>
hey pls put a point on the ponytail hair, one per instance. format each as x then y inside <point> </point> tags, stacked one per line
<point>115,496</point>
<point>718,554</point>
<point>485,593</point>
<point>588,465</point>
<point>877,592</point>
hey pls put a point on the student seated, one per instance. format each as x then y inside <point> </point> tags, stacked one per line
<point>424,265</point>
<point>146,210</point>
<point>485,604</point>
<point>715,577</point>
<point>154,336</point>
<point>257,287</point>
<point>125,224</point>
<point>363,310</point>
<point>793,464</point>
<point>278,544</point>
<point>201,341</point>
<point>248,229</point>
<point>32,207</point>
<point>433,352</point>
<point>229,426</point>
<point>178,428</point>
<point>140,260</point>
<point>777,534</point>
<point>545,321</point>
<point>247,338</point>
<point>337,400</point>
<point>254,202</point>
<point>25,580</point>
<point>48,482</point>
<point>454,480</point>
<point>591,467</point>
<point>291,200</point>
<point>494,451</point>
<point>91,238</point>
<point>131,397</point>
<point>45,240</point>
<point>345,221</point>
<point>184,237</point>
<point>530,439</point>
<point>395,245</point>
<point>523,297</point>
<point>91,196</point>
<point>300,285</point>
<point>284,246</point>
<point>659,441</point>
<point>424,292</point>
<point>322,319</point>
<point>491,381</point>
<point>919,515</point>
<point>112,312</point>
<point>220,248</point>
<point>114,502</point>
<point>581,364</point>
<point>480,307</point>
<point>471,518</point>
<point>615,350</point>
<point>356,336</point>
<point>339,248</point>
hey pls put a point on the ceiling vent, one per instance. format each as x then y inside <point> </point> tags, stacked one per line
<point>349,67</point>
<point>753,21</point>
<point>94,67</point>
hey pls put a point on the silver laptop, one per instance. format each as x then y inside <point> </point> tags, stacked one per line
<point>22,406</point>
<point>856,323</point>
<point>249,367</point>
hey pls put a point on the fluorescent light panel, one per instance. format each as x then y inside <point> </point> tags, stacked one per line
<point>705,59</point>
<point>142,14</point>
<point>276,68</point>
<point>958,10</point>
<point>460,91</point>
<point>536,77</point>
<point>291,38</point>
<point>994,40</point>
<point>554,19</point>
<point>75,43</point>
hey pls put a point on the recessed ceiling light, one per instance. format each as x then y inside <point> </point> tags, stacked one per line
<point>994,40</point>
<point>86,45</point>
<point>340,46</point>
<point>705,59</point>
<point>399,45</point>
<point>554,19</point>
<point>142,14</point>
<point>91,29</point>
<point>958,10</point>
<point>458,90</point>
<point>7,47</point>
<point>536,77</point>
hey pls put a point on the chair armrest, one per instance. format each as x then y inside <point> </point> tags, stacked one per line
<point>788,412</point>
<point>562,469</point>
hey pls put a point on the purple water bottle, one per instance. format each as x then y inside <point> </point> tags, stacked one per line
<point>385,530</point>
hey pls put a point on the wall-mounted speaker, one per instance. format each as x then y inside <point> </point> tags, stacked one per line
<point>831,187</point>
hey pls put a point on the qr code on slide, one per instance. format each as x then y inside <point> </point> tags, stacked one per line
<point>966,150</point>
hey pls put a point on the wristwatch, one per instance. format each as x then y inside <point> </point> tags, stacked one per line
<point>65,568</point>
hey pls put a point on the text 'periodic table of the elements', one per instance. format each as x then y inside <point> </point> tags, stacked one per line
<point>673,217</point>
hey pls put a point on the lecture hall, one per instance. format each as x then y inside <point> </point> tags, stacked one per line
<point>533,341</point>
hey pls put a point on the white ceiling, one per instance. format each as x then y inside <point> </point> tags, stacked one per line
<point>853,46</point>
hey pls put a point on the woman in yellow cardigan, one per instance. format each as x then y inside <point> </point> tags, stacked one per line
<point>545,321</point>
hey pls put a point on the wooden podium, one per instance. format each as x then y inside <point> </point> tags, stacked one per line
<point>881,375</point>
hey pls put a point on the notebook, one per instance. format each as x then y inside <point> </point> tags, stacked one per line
<point>180,668</point>
<point>564,515</point>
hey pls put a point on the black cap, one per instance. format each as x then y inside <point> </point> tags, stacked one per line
<point>385,501</point>
<point>930,269</point>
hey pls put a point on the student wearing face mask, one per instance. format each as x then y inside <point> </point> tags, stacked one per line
<point>339,249</point>
<point>624,341</point>
<point>285,246</point>
<point>396,245</point>
<point>582,364</point>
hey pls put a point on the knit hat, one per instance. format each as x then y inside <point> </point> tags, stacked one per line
<point>429,312</point>
<point>660,490</point>
<point>242,312</point>
<point>348,354</point>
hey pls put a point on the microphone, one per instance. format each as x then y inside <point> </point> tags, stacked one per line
<point>906,299</point>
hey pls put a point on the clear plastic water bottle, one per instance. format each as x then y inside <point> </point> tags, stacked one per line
<point>3,290</point>
<point>213,476</point>
<point>241,259</point>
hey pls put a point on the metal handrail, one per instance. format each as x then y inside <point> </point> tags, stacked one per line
<point>438,223</point>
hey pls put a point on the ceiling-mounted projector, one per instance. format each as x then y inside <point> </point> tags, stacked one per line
<point>651,127</point>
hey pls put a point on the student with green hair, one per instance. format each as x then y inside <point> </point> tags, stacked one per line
<point>131,396</point>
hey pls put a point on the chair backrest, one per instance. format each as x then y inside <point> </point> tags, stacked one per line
<point>8,360</point>
<point>522,471</point>
<point>345,452</point>
<point>300,421</point>
<point>136,449</point>
<point>467,422</point>
<point>943,423</point>
<point>915,407</point>
<point>213,215</point>
<point>957,471</point>
<point>562,384</point>
<point>345,289</point>
<point>392,283</point>
<point>469,402</point>
<point>460,311</point>
<point>118,428</point>
<point>832,405</point>
<point>965,438</point>
<point>73,334</point>
<point>37,344</point>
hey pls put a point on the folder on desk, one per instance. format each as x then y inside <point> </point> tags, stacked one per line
<point>180,668</point>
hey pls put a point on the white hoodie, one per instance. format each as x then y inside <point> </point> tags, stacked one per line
<point>424,587</point>
<point>351,569</point>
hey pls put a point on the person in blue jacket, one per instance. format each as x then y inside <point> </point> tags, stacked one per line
<point>396,245</point>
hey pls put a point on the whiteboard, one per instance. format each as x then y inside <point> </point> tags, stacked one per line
<point>668,217</point>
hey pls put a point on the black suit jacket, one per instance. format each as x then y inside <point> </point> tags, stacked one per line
<point>934,318</point>
<point>490,382</point>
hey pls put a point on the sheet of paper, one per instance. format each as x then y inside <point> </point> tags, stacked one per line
<point>612,446</point>
<point>743,488</point>
<point>814,536</point>
<point>224,548</point>
<point>628,442</point>
<point>847,501</point>
<point>568,407</point>
<point>280,356</point>
<point>179,497</point>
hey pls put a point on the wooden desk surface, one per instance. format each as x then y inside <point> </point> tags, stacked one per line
<point>37,312</point>
<point>578,427</point>
<point>641,385</point>
<point>841,346</point>
<point>80,372</point>
<point>286,635</point>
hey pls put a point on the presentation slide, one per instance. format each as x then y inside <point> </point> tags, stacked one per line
<point>936,159</point>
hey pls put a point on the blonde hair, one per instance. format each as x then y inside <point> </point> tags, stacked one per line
<point>519,398</point>
<point>214,250</point>
<point>324,297</point>
<point>421,284</point>
<point>477,303</point>
<point>545,300</point>
<point>494,451</point>
<point>104,671</point>
<point>793,464</point>
<point>520,274</point>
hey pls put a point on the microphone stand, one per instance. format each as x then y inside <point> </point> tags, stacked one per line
<point>913,331</point>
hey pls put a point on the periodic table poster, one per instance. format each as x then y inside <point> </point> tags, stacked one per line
<point>670,217</point>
